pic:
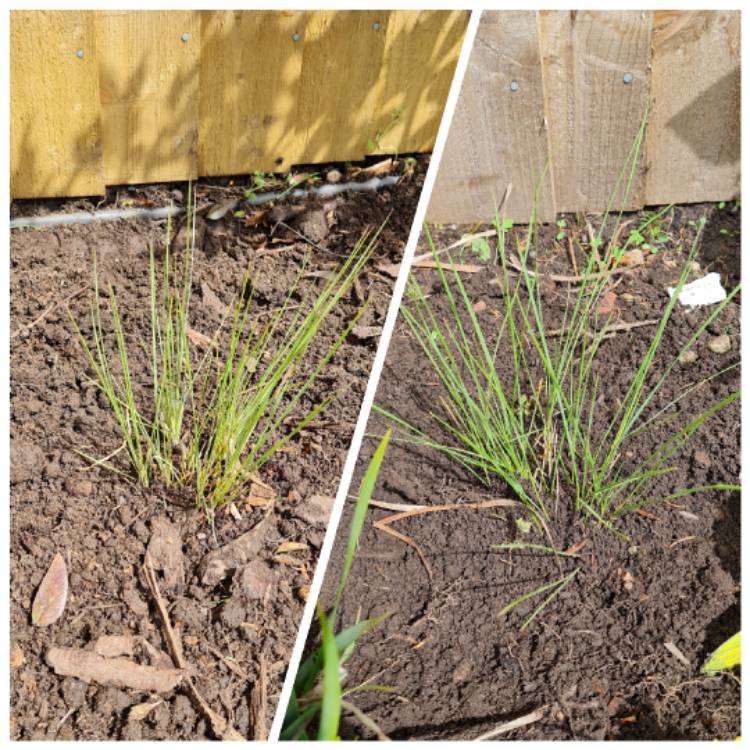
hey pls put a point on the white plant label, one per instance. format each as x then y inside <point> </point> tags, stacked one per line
<point>704,291</point>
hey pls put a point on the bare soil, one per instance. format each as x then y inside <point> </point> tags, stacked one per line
<point>102,522</point>
<point>595,660</point>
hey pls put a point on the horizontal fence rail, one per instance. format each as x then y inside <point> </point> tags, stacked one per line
<point>552,100</point>
<point>124,97</point>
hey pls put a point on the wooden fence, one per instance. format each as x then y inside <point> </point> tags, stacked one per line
<point>555,98</point>
<point>112,97</point>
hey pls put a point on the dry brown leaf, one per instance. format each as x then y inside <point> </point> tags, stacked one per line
<point>118,672</point>
<point>199,339</point>
<point>381,167</point>
<point>290,547</point>
<point>258,502</point>
<point>255,218</point>
<point>115,645</point>
<point>303,592</point>
<point>52,594</point>
<point>17,657</point>
<point>577,547</point>
<point>631,258</point>
<point>141,710</point>
<point>606,303</point>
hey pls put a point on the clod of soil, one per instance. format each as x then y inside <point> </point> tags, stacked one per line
<point>238,626</point>
<point>600,661</point>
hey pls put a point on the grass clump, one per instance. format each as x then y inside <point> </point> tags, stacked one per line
<point>535,428</point>
<point>211,420</point>
<point>318,697</point>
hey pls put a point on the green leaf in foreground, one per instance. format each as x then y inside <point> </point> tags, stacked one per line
<point>358,519</point>
<point>330,710</point>
<point>726,657</point>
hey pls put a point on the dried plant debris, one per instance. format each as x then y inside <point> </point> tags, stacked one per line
<point>117,672</point>
<point>52,594</point>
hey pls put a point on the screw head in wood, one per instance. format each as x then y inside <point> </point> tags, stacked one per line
<point>627,78</point>
<point>514,86</point>
<point>296,36</point>
<point>79,54</point>
<point>185,36</point>
<point>376,26</point>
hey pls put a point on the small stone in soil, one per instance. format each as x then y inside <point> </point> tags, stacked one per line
<point>720,344</point>
<point>688,357</point>
<point>702,459</point>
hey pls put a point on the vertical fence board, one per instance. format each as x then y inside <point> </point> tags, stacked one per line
<point>498,135</point>
<point>250,68</point>
<point>593,113</point>
<point>693,141</point>
<point>149,94</point>
<point>55,135</point>
<point>342,56</point>
<point>421,52</point>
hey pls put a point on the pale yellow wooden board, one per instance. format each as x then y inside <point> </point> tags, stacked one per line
<point>250,71</point>
<point>148,77</point>
<point>498,136</point>
<point>55,135</point>
<point>421,52</point>
<point>593,114</point>
<point>693,140</point>
<point>342,57</point>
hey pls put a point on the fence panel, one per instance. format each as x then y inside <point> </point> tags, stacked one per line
<point>55,133</point>
<point>498,136</point>
<point>693,144</point>
<point>171,95</point>
<point>601,71</point>
<point>148,80</point>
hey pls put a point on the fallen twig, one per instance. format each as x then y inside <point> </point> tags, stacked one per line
<point>259,701</point>
<point>415,510</point>
<point>612,328</point>
<point>219,724</point>
<point>47,311</point>
<point>509,726</point>
<point>459,267</point>
<point>562,278</point>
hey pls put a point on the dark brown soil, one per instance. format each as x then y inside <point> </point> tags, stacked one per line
<point>101,523</point>
<point>595,659</point>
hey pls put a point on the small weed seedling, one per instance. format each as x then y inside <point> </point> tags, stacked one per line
<point>212,421</point>
<point>318,697</point>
